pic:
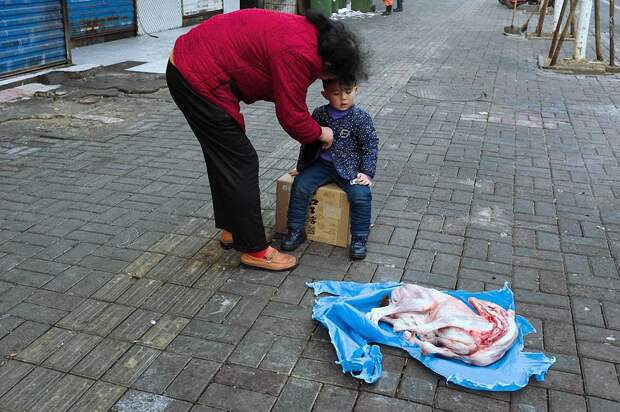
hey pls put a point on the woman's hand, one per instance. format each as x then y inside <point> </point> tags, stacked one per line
<point>327,137</point>
<point>293,172</point>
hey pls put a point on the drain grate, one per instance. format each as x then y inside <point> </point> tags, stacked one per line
<point>446,93</point>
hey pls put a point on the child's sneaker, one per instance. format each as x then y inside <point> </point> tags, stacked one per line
<point>358,247</point>
<point>293,239</point>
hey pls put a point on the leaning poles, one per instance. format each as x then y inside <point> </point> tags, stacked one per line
<point>541,18</point>
<point>557,6</point>
<point>558,27</point>
<point>583,29</point>
<point>597,29</point>
<point>612,33</point>
<point>558,46</point>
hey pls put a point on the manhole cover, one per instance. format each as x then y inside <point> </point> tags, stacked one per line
<point>446,93</point>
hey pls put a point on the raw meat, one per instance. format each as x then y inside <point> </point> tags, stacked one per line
<point>444,325</point>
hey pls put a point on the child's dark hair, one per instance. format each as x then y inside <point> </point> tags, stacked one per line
<point>339,49</point>
<point>343,84</point>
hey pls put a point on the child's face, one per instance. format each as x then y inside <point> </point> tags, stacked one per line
<point>341,97</point>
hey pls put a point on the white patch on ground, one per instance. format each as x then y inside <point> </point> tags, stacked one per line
<point>489,216</point>
<point>135,401</point>
<point>25,92</point>
<point>97,118</point>
<point>347,13</point>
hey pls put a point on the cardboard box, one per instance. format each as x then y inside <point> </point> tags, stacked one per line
<point>328,218</point>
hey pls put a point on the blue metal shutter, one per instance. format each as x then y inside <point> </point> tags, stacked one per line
<point>92,17</point>
<point>32,35</point>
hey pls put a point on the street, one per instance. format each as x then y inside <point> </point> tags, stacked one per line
<point>115,293</point>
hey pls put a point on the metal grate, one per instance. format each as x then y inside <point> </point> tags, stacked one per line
<point>446,93</point>
<point>158,15</point>
<point>286,6</point>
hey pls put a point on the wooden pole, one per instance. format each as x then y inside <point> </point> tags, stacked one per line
<point>541,18</point>
<point>558,27</point>
<point>558,47</point>
<point>572,23</point>
<point>612,33</point>
<point>597,29</point>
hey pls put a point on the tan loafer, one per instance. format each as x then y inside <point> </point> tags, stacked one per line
<point>274,260</point>
<point>226,239</point>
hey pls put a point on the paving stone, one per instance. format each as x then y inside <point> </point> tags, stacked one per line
<point>137,401</point>
<point>246,311</point>
<point>63,394</point>
<point>336,399</point>
<point>236,399</point>
<point>374,402</point>
<point>253,348</point>
<point>418,384</point>
<point>283,355</point>
<point>529,399</point>
<point>193,379</point>
<point>560,337</point>
<point>90,284</point>
<point>587,311</point>
<point>11,373</point>
<point>29,390</point>
<point>72,351</point>
<point>325,372</point>
<point>26,278</point>
<point>136,325</point>
<point>143,264</point>
<point>101,358</point>
<point>190,273</point>
<point>299,329</point>
<point>164,331</point>
<point>21,337</point>
<point>601,379</point>
<point>603,405</point>
<point>98,398</point>
<point>218,307</point>
<point>139,292</point>
<point>44,346</point>
<point>298,395</point>
<point>161,372</point>
<point>612,315</point>
<point>114,288</point>
<point>105,321</point>
<point>215,331</point>
<point>200,348</point>
<point>55,300</point>
<point>133,363</point>
<point>562,401</point>
<point>37,313</point>
<point>452,400</point>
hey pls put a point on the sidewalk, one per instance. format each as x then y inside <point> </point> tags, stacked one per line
<point>490,170</point>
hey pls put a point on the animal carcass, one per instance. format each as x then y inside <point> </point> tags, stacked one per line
<point>444,325</point>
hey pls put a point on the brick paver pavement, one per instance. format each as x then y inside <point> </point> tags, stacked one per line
<point>114,292</point>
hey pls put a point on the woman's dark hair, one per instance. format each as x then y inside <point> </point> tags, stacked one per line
<point>339,49</point>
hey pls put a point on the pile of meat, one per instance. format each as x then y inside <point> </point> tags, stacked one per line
<point>444,325</point>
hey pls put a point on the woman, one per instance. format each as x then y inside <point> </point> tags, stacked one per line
<point>252,55</point>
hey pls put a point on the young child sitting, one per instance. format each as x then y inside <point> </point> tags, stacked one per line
<point>350,162</point>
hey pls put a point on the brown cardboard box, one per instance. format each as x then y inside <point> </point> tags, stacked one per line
<point>328,216</point>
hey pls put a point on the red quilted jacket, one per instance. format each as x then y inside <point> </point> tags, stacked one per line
<point>252,55</point>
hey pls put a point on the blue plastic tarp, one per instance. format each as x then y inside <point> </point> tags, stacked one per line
<point>353,335</point>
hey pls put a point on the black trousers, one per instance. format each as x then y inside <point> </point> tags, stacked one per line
<point>232,165</point>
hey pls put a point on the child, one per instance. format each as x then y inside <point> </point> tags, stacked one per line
<point>350,162</point>
<point>388,8</point>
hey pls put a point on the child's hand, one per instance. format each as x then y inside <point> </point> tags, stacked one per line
<point>362,179</point>
<point>293,172</point>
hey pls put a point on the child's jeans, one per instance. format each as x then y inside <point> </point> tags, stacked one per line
<point>319,173</point>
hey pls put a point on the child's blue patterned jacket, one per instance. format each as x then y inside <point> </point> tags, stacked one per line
<point>355,146</point>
